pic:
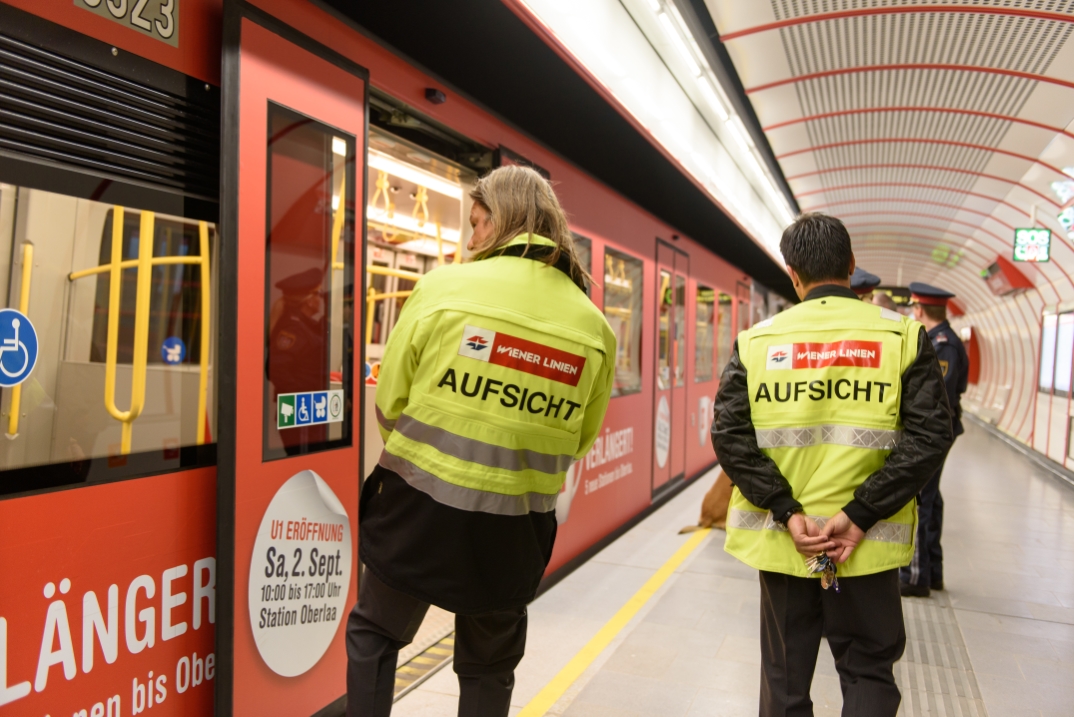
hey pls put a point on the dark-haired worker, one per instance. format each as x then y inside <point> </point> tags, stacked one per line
<point>830,417</point>
<point>925,572</point>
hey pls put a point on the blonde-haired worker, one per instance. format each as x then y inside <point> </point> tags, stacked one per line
<point>460,511</point>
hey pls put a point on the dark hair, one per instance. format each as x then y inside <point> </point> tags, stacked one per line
<point>936,313</point>
<point>817,247</point>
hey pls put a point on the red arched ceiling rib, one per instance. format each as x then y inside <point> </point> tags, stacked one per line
<point>852,167</point>
<point>919,215</point>
<point>902,200</point>
<point>912,185</point>
<point>911,66</point>
<point>924,140</point>
<point>899,10</point>
<point>976,227</point>
<point>908,225</point>
<point>943,110</point>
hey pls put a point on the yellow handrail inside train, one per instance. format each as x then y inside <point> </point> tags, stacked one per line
<point>206,297</point>
<point>400,273</point>
<point>371,299</point>
<point>143,294</point>
<point>24,306</point>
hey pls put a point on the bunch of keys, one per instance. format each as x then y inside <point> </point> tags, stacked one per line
<point>822,564</point>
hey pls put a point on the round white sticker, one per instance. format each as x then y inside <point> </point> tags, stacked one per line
<point>663,431</point>
<point>299,573</point>
<point>704,420</point>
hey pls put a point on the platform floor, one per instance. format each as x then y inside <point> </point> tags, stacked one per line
<point>998,642</point>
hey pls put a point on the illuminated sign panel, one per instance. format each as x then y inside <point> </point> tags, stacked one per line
<point>1032,244</point>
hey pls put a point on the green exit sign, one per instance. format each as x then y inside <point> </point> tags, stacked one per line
<point>1032,244</point>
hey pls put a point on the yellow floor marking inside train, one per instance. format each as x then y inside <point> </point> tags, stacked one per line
<point>555,689</point>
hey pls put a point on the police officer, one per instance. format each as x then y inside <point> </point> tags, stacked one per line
<point>494,381</point>
<point>863,283</point>
<point>829,419</point>
<point>925,572</point>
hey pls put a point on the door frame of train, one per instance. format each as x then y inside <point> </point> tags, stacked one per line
<point>229,451</point>
<point>673,478</point>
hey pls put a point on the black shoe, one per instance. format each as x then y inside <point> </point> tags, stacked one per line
<point>937,585</point>
<point>910,590</point>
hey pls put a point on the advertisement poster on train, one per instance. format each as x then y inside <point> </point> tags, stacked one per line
<point>299,574</point>
<point>109,604</point>
<point>601,490</point>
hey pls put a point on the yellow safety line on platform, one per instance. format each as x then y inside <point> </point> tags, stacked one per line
<point>555,689</point>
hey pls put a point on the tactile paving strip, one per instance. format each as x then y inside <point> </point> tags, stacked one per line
<point>424,665</point>
<point>935,675</point>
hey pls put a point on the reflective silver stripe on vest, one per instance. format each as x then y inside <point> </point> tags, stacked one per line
<point>475,451</point>
<point>471,499</point>
<point>386,424</point>
<point>874,438</point>
<point>882,532</point>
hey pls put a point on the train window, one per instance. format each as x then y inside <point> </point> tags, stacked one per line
<point>704,334</point>
<point>623,309</point>
<point>583,248</point>
<point>664,348</point>
<point>121,303</point>
<point>308,285</point>
<point>724,333</point>
<point>679,351</point>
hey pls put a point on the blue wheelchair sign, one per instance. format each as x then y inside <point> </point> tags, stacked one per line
<point>173,350</point>
<point>18,348</point>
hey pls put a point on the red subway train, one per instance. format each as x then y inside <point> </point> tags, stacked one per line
<point>211,215</point>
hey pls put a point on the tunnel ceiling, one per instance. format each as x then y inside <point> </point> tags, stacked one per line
<point>933,129</point>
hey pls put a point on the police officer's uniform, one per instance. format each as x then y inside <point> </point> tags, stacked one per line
<point>925,572</point>
<point>835,404</point>
<point>863,283</point>
<point>496,378</point>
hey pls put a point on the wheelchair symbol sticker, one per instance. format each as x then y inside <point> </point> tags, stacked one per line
<point>18,348</point>
<point>173,350</point>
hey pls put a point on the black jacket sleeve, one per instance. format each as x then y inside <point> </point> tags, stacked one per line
<point>927,436</point>
<point>735,442</point>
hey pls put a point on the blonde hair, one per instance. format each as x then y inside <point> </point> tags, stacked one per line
<point>521,202</point>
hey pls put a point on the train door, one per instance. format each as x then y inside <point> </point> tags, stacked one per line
<point>295,122</point>
<point>417,206</point>
<point>672,268</point>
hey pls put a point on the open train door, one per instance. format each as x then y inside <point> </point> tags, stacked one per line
<point>295,122</point>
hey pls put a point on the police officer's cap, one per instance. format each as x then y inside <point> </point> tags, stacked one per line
<point>862,282</point>
<point>929,295</point>
<point>301,283</point>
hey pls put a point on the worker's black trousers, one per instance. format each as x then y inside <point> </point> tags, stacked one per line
<point>488,647</point>
<point>864,627</point>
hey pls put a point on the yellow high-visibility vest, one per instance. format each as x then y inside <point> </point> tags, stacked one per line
<point>825,389</point>
<point>496,378</point>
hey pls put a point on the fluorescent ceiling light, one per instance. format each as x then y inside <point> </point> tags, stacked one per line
<point>679,43</point>
<point>413,174</point>
<point>713,99</point>
<point>411,224</point>
<point>339,146</point>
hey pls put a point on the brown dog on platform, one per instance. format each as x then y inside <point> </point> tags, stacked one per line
<point>714,505</point>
